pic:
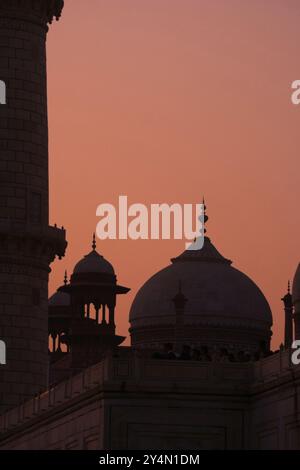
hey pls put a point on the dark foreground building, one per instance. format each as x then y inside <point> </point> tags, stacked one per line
<point>199,374</point>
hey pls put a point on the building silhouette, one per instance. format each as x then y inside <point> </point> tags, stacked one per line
<point>199,373</point>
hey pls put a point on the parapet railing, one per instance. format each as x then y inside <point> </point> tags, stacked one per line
<point>272,367</point>
<point>56,395</point>
<point>128,368</point>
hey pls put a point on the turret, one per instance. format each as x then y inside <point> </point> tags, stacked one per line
<point>288,310</point>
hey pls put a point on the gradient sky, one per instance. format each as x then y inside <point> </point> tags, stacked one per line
<point>167,100</point>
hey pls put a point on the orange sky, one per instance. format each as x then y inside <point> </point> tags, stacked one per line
<point>167,100</point>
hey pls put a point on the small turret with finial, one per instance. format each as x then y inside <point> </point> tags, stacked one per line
<point>205,216</point>
<point>288,311</point>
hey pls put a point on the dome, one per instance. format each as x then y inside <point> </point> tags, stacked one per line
<point>296,286</point>
<point>59,299</point>
<point>93,263</point>
<point>223,306</point>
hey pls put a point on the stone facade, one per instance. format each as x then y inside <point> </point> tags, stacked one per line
<point>131,401</point>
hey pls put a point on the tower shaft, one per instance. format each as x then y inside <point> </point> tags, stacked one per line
<point>27,243</point>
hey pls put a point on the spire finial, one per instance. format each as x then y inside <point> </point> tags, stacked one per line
<point>205,217</point>
<point>287,298</point>
<point>94,245</point>
<point>66,278</point>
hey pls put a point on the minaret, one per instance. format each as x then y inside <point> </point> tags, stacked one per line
<point>288,310</point>
<point>27,244</point>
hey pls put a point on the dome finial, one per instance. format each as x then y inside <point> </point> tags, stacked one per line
<point>94,245</point>
<point>66,278</point>
<point>289,286</point>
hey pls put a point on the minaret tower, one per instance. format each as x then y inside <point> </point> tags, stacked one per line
<point>27,244</point>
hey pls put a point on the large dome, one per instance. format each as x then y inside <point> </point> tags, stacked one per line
<point>224,307</point>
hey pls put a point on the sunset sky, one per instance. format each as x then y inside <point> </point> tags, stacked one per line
<point>167,101</point>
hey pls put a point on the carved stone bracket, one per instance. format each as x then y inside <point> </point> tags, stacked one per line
<point>44,10</point>
<point>41,247</point>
